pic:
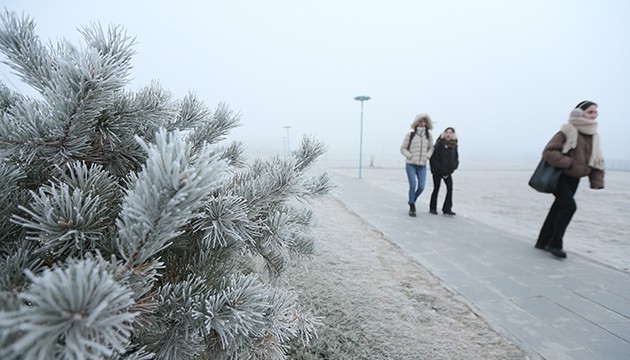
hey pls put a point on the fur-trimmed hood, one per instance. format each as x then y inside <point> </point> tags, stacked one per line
<point>419,117</point>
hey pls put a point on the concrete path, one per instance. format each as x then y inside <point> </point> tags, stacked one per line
<point>554,309</point>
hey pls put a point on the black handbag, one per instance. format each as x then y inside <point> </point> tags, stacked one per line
<point>545,177</point>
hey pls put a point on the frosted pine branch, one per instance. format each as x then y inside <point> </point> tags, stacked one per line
<point>166,195</point>
<point>94,321</point>
<point>64,221</point>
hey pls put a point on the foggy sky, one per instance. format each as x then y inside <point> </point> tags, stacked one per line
<point>505,74</point>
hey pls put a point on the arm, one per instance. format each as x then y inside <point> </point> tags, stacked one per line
<point>434,160</point>
<point>596,178</point>
<point>430,147</point>
<point>553,152</point>
<point>403,147</point>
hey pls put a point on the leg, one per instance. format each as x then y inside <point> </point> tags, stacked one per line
<point>547,229</point>
<point>566,208</point>
<point>448,201</point>
<point>421,174</point>
<point>411,178</point>
<point>437,180</point>
<point>558,217</point>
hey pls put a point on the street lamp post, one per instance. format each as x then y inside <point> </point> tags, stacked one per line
<point>361,99</point>
<point>288,143</point>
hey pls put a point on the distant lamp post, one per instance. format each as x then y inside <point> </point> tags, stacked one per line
<point>288,142</point>
<point>361,99</point>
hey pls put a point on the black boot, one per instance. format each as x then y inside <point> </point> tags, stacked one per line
<point>412,210</point>
<point>557,252</point>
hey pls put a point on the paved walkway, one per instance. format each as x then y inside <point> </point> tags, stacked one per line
<point>554,309</point>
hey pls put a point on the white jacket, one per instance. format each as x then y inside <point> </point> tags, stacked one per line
<point>421,147</point>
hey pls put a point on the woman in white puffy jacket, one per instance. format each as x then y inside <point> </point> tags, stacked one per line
<point>417,147</point>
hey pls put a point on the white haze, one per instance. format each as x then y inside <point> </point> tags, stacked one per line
<point>504,73</point>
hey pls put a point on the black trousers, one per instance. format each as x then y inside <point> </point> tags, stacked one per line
<point>560,213</point>
<point>448,201</point>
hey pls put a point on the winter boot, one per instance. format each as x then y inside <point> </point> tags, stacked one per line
<point>412,210</point>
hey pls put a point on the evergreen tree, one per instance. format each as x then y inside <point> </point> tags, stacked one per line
<point>128,230</point>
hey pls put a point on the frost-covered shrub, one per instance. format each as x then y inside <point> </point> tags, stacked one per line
<point>128,230</point>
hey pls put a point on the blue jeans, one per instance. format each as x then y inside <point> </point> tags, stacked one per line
<point>417,176</point>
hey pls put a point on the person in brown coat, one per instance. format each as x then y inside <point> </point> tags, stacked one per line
<point>575,149</point>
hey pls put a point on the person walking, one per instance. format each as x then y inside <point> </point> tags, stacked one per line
<point>417,147</point>
<point>576,150</point>
<point>444,161</point>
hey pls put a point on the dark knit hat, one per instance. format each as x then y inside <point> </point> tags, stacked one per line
<point>585,104</point>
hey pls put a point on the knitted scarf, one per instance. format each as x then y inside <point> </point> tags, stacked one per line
<point>577,125</point>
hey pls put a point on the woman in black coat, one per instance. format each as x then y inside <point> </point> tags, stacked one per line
<point>444,161</point>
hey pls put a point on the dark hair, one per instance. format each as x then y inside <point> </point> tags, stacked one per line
<point>585,104</point>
